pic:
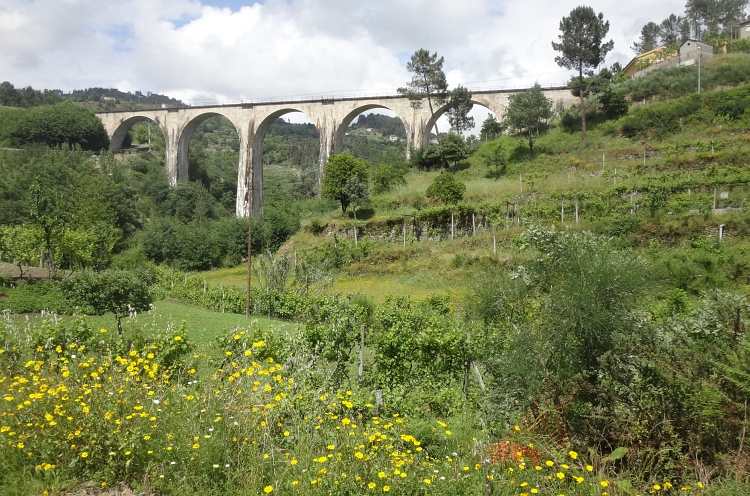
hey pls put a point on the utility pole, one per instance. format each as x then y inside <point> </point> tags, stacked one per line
<point>249,238</point>
<point>699,67</point>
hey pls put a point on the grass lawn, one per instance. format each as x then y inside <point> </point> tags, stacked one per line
<point>203,326</point>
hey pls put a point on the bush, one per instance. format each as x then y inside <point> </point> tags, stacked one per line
<point>446,188</point>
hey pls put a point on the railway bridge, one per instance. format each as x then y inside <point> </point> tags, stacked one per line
<point>331,116</point>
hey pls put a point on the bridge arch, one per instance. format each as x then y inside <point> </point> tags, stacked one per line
<point>343,126</point>
<point>256,161</point>
<point>120,133</point>
<point>186,135</point>
<point>496,108</point>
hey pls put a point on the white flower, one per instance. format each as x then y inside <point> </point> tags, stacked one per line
<point>156,402</point>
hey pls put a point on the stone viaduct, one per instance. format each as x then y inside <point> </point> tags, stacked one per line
<point>251,120</point>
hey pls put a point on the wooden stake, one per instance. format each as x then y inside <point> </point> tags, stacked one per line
<point>361,353</point>
<point>473,224</point>
<point>494,245</point>
<point>452,229</point>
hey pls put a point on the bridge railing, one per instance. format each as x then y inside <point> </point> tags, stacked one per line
<point>331,98</point>
<point>351,96</point>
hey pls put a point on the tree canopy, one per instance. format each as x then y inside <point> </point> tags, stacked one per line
<point>428,81</point>
<point>581,46</point>
<point>446,188</point>
<point>459,105</point>
<point>54,125</point>
<point>337,172</point>
<point>528,112</point>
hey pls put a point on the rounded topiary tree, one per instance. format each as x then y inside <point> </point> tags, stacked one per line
<point>447,189</point>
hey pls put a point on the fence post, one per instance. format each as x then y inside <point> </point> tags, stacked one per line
<point>576,210</point>
<point>473,225</point>
<point>452,225</point>
<point>562,210</point>
<point>494,244</point>
<point>361,353</point>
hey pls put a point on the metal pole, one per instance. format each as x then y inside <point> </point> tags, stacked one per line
<point>249,244</point>
<point>699,68</point>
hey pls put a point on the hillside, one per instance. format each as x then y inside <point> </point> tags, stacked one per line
<point>582,309</point>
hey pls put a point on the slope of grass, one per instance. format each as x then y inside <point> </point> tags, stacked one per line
<point>203,326</point>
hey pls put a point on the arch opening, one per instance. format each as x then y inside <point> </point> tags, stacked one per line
<point>480,112</point>
<point>376,136</point>
<point>286,150</point>
<point>208,153</point>
<point>137,134</point>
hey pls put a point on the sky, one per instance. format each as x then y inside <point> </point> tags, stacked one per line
<point>226,50</point>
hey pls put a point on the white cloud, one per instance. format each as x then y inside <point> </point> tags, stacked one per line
<point>286,48</point>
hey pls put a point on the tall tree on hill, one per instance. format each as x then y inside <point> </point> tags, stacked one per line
<point>459,106</point>
<point>670,31</point>
<point>650,34</point>
<point>428,81</point>
<point>581,46</point>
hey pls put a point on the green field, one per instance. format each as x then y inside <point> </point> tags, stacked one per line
<point>202,326</point>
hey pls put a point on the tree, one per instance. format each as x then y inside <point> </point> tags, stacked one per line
<point>357,193</point>
<point>614,104</point>
<point>54,125</point>
<point>116,291</point>
<point>527,113</point>
<point>670,30</point>
<point>458,108</point>
<point>649,39</point>
<point>581,46</point>
<point>446,188</point>
<point>428,81</point>
<point>453,148</point>
<point>491,128</point>
<point>21,245</point>
<point>495,155</point>
<point>337,171</point>
<point>387,176</point>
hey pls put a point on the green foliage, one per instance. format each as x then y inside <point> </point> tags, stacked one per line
<point>453,148</point>
<point>527,113</point>
<point>63,123</point>
<point>446,188</point>
<point>33,297</point>
<point>428,80</point>
<point>491,128</point>
<point>581,45</point>
<point>676,82</point>
<point>458,107</point>
<point>337,171</point>
<point>664,118</point>
<point>496,154</point>
<point>116,291</point>
<point>387,176</point>
<point>10,96</point>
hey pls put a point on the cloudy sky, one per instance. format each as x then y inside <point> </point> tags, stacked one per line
<point>237,49</point>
